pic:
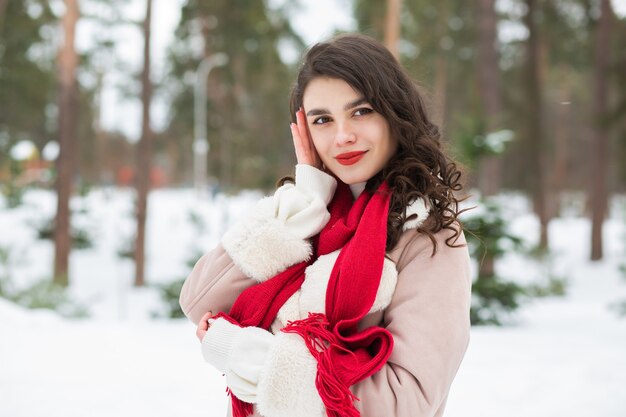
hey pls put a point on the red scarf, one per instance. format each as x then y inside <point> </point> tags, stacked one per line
<point>344,355</point>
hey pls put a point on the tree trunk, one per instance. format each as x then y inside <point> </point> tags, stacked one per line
<point>440,87</point>
<point>392,26</point>
<point>535,124</point>
<point>490,169</point>
<point>441,71</point>
<point>3,9</point>
<point>562,133</point>
<point>65,163</point>
<point>144,154</point>
<point>599,165</point>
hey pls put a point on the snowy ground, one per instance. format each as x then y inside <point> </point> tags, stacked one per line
<point>563,356</point>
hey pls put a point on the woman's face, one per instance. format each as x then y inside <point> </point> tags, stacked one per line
<point>353,141</point>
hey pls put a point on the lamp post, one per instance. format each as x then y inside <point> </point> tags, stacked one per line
<point>201,143</point>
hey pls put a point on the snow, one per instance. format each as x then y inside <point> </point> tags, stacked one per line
<point>559,356</point>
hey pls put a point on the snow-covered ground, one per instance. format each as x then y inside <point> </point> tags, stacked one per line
<point>562,356</point>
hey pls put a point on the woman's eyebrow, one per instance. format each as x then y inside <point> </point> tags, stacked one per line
<point>354,103</point>
<point>317,112</point>
<point>347,106</point>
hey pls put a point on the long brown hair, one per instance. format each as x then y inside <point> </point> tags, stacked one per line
<point>419,168</point>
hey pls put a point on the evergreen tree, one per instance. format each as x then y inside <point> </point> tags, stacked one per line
<point>27,76</point>
<point>247,99</point>
<point>437,45</point>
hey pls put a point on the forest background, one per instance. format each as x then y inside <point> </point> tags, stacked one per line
<point>530,95</point>
<point>109,192</point>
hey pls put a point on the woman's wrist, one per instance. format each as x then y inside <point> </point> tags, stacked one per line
<point>218,341</point>
<point>276,233</point>
<point>315,181</point>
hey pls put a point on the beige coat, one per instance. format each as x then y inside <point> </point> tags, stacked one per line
<point>428,316</point>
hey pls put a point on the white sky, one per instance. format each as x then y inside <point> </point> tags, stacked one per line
<point>619,7</point>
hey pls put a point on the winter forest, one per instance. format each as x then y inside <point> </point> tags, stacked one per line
<point>133,133</point>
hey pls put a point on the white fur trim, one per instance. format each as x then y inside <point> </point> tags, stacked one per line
<point>289,311</point>
<point>274,237</point>
<point>312,295</point>
<point>317,275</point>
<point>262,246</point>
<point>419,207</point>
<point>387,286</point>
<point>287,381</point>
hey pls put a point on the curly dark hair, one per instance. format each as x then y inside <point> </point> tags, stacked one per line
<point>420,168</point>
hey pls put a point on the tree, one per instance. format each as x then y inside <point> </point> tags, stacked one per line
<point>392,26</point>
<point>618,115</point>
<point>3,8</point>
<point>144,153</point>
<point>371,17</point>
<point>535,122</point>
<point>106,20</point>
<point>68,100</point>
<point>27,79</point>
<point>247,99</point>
<point>490,167</point>
<point>598,192</point>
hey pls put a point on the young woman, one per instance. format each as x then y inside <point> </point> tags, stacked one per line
<point>347,292</point>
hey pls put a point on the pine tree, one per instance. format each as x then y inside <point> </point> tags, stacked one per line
<point>598,193</point>
<point>144,153</point>
<point>27,74</point>
<point>247,99</point>
<point>65,164</point>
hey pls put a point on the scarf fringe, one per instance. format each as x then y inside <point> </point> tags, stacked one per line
<point>336,395</point>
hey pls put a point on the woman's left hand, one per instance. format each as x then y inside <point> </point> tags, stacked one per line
<point>203,325</point>
<point>302,142</point>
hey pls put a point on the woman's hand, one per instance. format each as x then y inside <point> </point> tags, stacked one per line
<point>204,324</point>
<point>302,142</point>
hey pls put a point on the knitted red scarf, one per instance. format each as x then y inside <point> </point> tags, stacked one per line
<point>345,356</point>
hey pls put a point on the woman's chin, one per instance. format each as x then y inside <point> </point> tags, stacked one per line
<point>352,178</point>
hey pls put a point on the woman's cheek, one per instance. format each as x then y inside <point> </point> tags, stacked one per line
<point>317,144</point>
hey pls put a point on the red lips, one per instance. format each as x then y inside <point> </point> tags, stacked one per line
<point>350,158</point>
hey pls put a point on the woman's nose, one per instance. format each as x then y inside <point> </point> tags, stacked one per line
<point>344,135</point>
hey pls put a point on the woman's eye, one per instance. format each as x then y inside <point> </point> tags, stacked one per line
<point>321,120</point>
<point>363,111</point>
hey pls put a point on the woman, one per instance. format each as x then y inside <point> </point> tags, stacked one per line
<point>347,292</point>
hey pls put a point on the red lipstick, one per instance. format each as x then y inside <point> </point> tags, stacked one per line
<point>350,158</point>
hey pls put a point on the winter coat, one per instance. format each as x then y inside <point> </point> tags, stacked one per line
<point>423,300</point>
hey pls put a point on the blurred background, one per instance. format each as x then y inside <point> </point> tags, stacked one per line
<point>134,132</point>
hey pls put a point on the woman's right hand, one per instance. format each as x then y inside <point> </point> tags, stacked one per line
<point>203,325</point>
<point>302,142</point>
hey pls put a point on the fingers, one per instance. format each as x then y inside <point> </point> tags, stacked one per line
<point>303,145</point>
<point>297,144</point>
<point>302,128</point>
<point>204,321</point>
<point>301,139</point>
<point>203,325</point>
<point>200,334</point>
